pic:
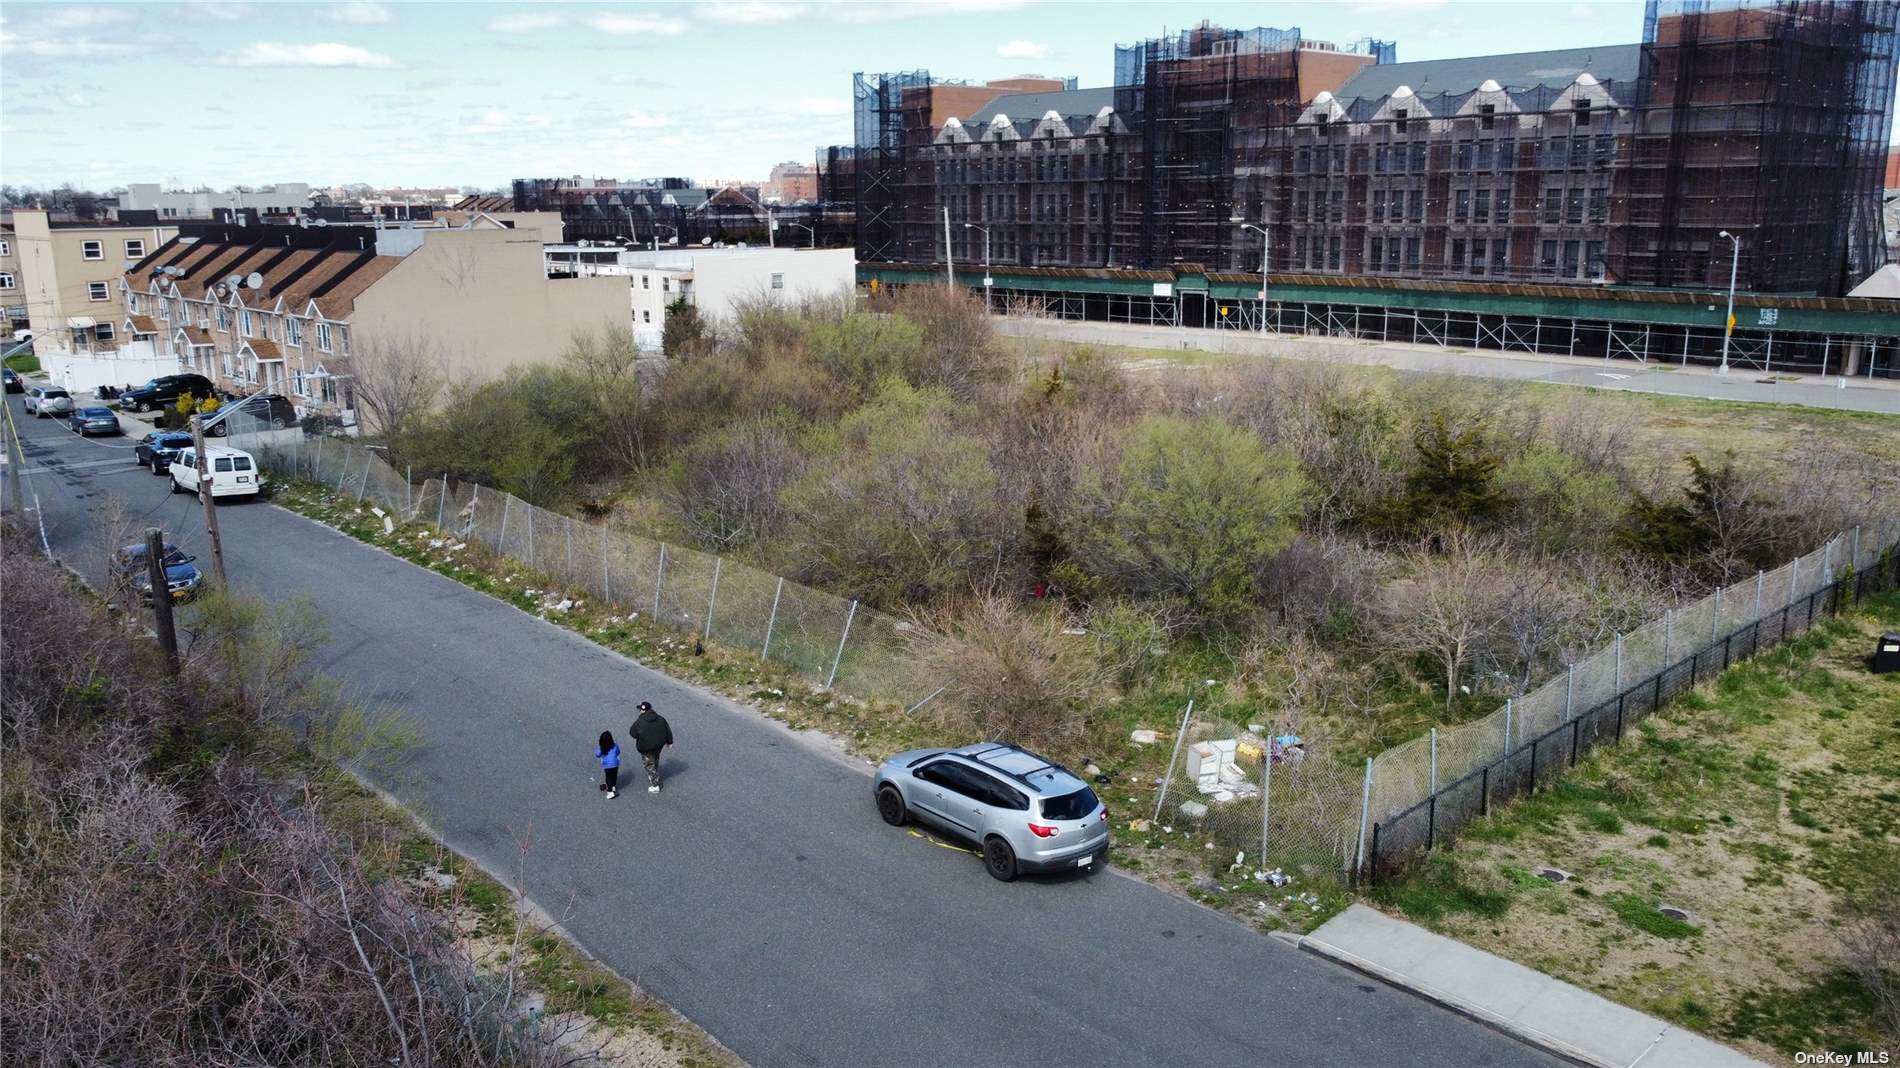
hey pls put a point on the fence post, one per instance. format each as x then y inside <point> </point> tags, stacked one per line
<point>1794,578</point>
<point>1434,738</point>
<point>1570,689</point>
<point>712,599</point>
<point>1365,807</point>
<point>606,573</point>
<point>1266,798</point>
<point>409,490</point>
<point>316,466</point>
<point>442,500</point>
<point>1856,562</point>
<point>1505,749</point>
<point>833,677</point>
<point>567,543</point>
<point>501,543</point>
<point>1484,790</point>
<point>1668,626</point>
<point>1715,617</point>
<point>368,458</point>
<point>531,510</point>
<point>1827,561</point>
<point>1758,580</point>
<point>771,621</point>
<point>659,583</point>
<point>1179,734</point>
<point>1619,663</point>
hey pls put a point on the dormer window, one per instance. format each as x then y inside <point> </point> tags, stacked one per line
<point>1582,111</point>
<point>1399,116</point>
<point>1487,116</point>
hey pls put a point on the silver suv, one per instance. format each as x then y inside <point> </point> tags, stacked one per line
<point>1028,814</point>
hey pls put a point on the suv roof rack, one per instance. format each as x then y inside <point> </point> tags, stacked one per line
<point>1005,747</point>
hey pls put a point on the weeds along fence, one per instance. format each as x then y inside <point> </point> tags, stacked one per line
<point>829,641</point>
<point>1417,795</point>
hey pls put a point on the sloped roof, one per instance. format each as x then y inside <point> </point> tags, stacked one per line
<point>1884,283</point>
<point>1513,70</point>
<point>1027,109</point>
<point>143,324</point>
<point>334,277</point>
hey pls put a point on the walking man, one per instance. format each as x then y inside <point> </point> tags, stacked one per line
<point>651,733</point>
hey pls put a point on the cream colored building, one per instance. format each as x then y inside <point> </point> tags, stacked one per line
<point>12,289</point>
<point>292,310</point>
<point>68,274</point>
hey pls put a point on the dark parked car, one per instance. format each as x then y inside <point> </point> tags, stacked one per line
<point>164,391</point>
<point>182,578</point>
<point>266,409</point>
<point>94,420</point>
<point>157,449</point>
<point>14,385</point>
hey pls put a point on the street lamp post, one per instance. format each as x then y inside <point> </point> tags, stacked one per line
<point>656,234</point>
<point>1266,253</point>
<point>985,231</point>
<point>807,229</point>
<point>1728,325</point>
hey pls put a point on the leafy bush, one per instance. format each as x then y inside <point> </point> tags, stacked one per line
<point>1008,672</point>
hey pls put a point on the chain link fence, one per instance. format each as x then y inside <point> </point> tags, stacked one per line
<point>829,641</point>
<point>1418,793</point>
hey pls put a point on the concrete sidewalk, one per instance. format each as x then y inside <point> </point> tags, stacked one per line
<point>1547,1013</point>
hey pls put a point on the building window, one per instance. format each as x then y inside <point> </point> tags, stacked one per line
<point>1593,252</point>
<point>1477,256</point>
<point>103,331</point>
<point>1573,206</point>
<point>646,282</point>
<point>1547,260</point>
<point>666,284</point>
<point>1378,209</point>
<point>6,279</point>
<point>1332,253</point>
<point>92,250</point>
<point>224,320</point>
<point>98,291</point>
<point>1487,116</point>
<point>135,249</point>
<point>1413,246</point>
<point>646,316</point>
<point>1460,205</point>
<point>165,309</point>
<point>778,281</point>
<point>1504,205</point>
<point>1417,212</point>
<point>132,302</point>
<point>1398,117</point>
<point>1481,211</point>
<point>1571,249</point>
<point>6,248</point>
<point>1582,108</point>
<point>244,322</point>
<point>293,331</point>
<point>1553,204</point>
<point>323,336</point>
<point>1599,205</point>
<point>1378,253</point>
<point>1457,256</point>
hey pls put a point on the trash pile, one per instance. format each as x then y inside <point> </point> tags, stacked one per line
<point>1215,772</point>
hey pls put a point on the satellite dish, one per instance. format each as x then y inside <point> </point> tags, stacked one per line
<point>254,281</point>
<point>705,240</point>
<point>234,281</point>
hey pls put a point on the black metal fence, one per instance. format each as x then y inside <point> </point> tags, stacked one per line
<point>1403,837</point>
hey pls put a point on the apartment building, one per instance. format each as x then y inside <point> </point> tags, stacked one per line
<point>285,199</point>
<point>716,281</point>
<point>1617,164</point>
<point>67,278</point>
<point>12,291</point>
<point>295,310</point>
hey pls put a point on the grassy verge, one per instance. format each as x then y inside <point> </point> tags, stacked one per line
<point>24,363</point>
<point>1756,805</point>
<point>626,1024</point>
<point>1194,861</point>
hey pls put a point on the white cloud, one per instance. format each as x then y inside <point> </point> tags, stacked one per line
<point>561,94</point>
<point>643,120</point>
<point>59,34</point>
<point>222,12</point>
<point>1021,49</point>
<point>321,54</point>
<point>77,100</point>
<point>526,23</point>
<point>360,13</point>
<point>490,122</point>
<point>750,11</point>
<point>884,12</point>
<point>631,25</point>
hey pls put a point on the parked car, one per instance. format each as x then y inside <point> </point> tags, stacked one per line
<point>1026,813</point>
<point>164,391</point>
<point>156,449</point>
<point>14,382</point>
<point>93,419</point>
<point>268,409</point>
<point>232,472</point>
<point>47,401</point>
<point>182,577</point>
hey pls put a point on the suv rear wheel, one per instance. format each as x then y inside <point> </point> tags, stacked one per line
<point>999,859</point>
<point>890,806</point>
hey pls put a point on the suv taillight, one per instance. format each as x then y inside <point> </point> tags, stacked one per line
<point>1044,830</point>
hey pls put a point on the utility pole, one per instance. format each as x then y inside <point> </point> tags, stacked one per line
<point>986,261</point>
<point>204,494</point>
<point>161,597</point>
<point>1728,326</point>
<point>16,460</point>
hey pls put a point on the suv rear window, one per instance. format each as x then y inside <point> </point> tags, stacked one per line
<point>1073,806</point>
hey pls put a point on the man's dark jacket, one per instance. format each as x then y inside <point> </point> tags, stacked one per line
<point>651,732</point>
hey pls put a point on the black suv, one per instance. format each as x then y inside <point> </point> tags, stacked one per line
<point>271,409</point>
<point>164,391</point>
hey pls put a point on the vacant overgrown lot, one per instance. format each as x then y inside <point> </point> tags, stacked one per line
<point>1764,806</point>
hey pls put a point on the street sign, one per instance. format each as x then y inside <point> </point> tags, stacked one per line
<point>1731,325</point>
<point>988,281</point>
<point>1769,317</point>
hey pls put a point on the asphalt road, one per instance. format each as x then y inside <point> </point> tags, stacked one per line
<point>1742,383</point>
<point>759,894</point>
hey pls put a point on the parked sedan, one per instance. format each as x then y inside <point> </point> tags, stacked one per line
<point>94,420</point>
<point>158,449</point>
<point>182,578</point>
<point>14,384</point>
<point>43,402</point>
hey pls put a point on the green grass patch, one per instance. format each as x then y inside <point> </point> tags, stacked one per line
<point>1642,915</point>
<point>1440,889</point>
<point>1828,1012</point>
<point>25,363</point>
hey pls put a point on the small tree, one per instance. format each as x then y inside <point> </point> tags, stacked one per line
<point>1453,604</point>
<point>1195,508</point>
<point>1726,522</point>
<point>396,380</point>
<point>1452,479</point>
<point>684,333</point>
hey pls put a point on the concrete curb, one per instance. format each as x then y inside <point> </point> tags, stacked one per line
<point>1528,1035</point>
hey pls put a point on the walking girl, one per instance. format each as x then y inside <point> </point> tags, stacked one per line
<point>609,753</point>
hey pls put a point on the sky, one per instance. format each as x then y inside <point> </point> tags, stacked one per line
<point>453,94</point>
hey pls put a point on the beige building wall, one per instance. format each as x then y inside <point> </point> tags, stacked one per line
<point>481,300</point>
<point>546,223</point>
<point>12,284</point>
<point>61,281</point>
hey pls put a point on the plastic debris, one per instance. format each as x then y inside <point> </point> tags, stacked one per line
<point>1144,737</point>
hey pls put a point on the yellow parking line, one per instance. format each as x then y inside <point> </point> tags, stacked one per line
<point>945,845</point>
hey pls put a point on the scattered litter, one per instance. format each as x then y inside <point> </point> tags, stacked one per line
<point>1169,829</point>
<point>1074,632</point>
<point>1091,769</point>
<point>1193,810</point>
<point>1144,737</point>
<point>1139,826</point>
<point>1555,875</point>
<point>1255,728</point>
<point>389,525</point>
<point>1207,682</point>
<point>380,514</point>
<point>1276,877</point>
<point>435,543</point>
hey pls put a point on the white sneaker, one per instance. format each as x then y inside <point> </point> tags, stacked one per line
<point>611,794</point>
<point>653,789</point>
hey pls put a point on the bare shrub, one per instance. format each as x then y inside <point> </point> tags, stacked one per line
<point>960,352</point>
<point>1869,933</point>
<point>1007,673</point>
<point>395,380</point>
<point>725,487</point>
<point>1452,604</point>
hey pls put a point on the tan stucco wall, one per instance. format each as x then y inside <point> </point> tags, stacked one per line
<point>55,274</point>
<point>482,300</point>
<point>546,223</point>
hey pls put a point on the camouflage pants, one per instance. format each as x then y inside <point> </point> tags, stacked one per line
<point>652,762</point>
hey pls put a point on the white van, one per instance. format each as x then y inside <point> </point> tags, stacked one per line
<point>232,472</point>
